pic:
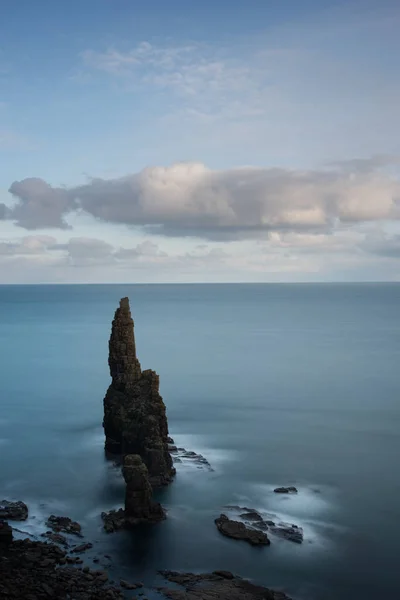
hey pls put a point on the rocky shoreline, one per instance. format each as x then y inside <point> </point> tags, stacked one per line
<point>35,570</point>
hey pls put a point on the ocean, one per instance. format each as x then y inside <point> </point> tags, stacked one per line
<point>292,384</point>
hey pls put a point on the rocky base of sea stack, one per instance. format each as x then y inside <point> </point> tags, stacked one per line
<point>115,520</point>
<point>139,504</point>
<point>220,585</point>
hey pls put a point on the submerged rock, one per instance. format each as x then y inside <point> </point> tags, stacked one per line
<point>135,420</point>
<point>293,533</point>
<point>13,511</point>
<point>139,504</point>
<point>286,490</point>
<point>220,585</point>
<point>239,531</point>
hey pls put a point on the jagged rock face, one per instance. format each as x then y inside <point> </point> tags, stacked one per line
<point>135,420</point>
<point>139,502</point>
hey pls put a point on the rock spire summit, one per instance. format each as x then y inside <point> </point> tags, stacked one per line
<point>124,366</point>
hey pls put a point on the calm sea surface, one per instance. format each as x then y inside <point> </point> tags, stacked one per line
<point>274,384</point>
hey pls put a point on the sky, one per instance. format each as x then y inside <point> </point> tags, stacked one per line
<point>199,141</point>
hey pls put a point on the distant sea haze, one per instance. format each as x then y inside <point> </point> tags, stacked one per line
<point>273,384</point>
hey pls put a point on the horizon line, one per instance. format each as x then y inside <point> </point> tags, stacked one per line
<point>371,282</point>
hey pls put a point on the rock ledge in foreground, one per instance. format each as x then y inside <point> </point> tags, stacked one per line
<point>220,585</point>
<point>32,570</point>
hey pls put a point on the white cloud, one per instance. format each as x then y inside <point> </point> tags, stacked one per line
<point>188,199</point>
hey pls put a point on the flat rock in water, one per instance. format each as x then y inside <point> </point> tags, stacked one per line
<point>286,490</point>
<point>239,531</point>
<point>13,511</point>
<point>252,517</point>
<point>181,455</point>
<point>220,585</point>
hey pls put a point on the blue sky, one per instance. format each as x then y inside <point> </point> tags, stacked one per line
<point>199,141</point>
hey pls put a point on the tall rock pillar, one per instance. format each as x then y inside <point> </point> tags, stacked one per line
<point>135,420</point>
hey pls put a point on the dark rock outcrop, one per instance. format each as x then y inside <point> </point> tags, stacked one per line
<point>286,490</point>
<point>13,511</point>
<point>64,524</point>
<point>135,420</point>
<point>239,531</point>
<point>220,585</point>
<point>254,520</point>
<point>139,504</point>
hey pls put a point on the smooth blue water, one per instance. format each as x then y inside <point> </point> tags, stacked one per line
<point>275,384</point>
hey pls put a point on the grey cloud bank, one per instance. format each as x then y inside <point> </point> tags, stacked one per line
<point>188,199</point>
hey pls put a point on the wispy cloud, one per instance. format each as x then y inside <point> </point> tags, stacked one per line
<point>208,81</point>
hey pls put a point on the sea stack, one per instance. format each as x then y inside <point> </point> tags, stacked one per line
<point>135,420</point>
<point>139,504</point>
